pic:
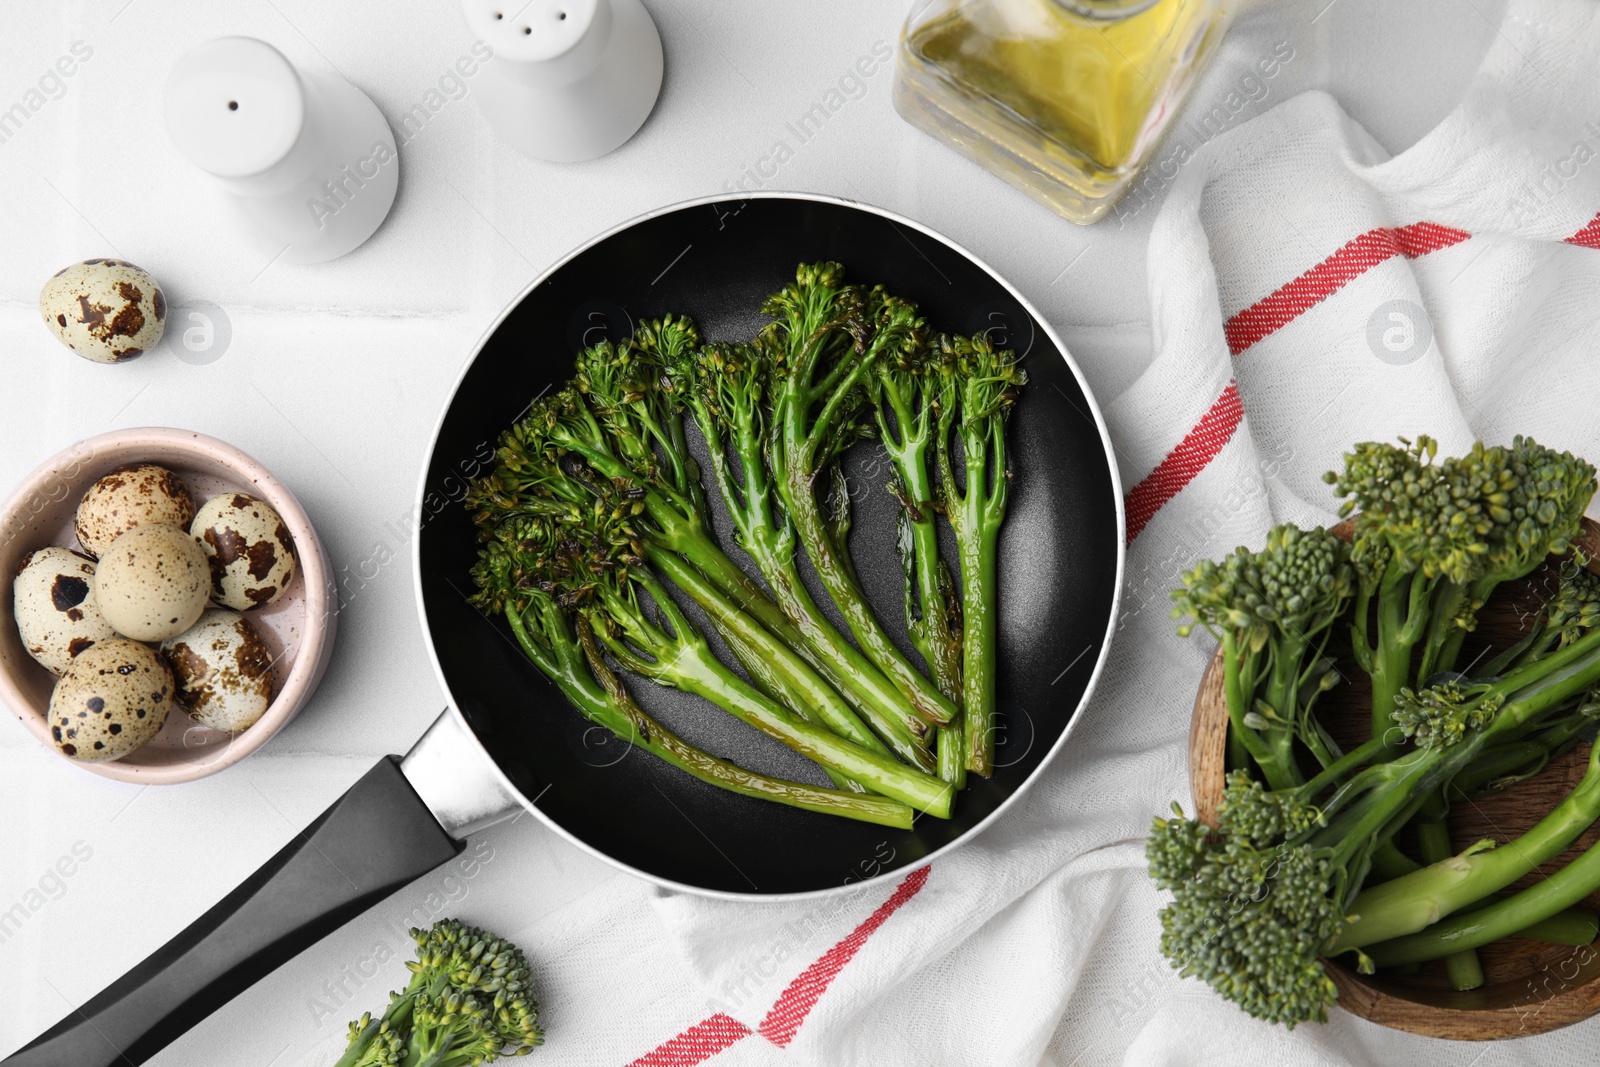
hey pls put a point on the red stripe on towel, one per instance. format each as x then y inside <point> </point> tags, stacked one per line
<point>697,1044</point>
<point>1188,459</point>
<point>712,1035</point>
<point>1271,313</point>
<point>802,995</point>
<point>1589,236</point>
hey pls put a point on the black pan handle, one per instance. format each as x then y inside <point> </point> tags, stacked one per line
<point>373,840</point>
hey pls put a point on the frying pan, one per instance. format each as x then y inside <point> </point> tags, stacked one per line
<point>508,742</point>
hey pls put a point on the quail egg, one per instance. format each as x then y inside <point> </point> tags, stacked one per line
<point>251,552</point>
<point>106,310</point>
<point>131,495</point>
<point>223,670</point>
<point>113,699</point>
<point>55,607</point>
<point>152,583</point>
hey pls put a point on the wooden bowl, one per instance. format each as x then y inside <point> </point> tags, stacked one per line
<point>298,628</point>
<point>1530,987</point>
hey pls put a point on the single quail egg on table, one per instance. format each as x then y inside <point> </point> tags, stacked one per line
<point>250,549</point>
<point>106,310</point>
<point>113,699</point>
<point>137,494</point>
<point>55,607</point>
<point>153,583</point>
<point>223,671</point>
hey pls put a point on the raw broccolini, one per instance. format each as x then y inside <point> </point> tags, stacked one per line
<point>1303,863</point>
<point>468,1002</point>
<point>1447,533</point>
<point>1261,899</point>
<point>1272,611</point>
<point>1433,539</point>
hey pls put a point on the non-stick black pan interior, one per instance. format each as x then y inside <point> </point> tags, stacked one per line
<point>1058,552</point>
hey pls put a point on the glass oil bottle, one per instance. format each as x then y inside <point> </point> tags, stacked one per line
<point>1062,98</point>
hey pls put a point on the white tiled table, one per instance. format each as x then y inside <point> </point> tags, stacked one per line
<point>334,376</point>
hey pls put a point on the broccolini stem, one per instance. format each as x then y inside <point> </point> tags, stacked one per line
<point>798,622</point>
<point>1510,759</point>
<point>1477,594</point>
<point>769,540</point>
<point>1282,696</point>
<point>1346,765</point>
<point>813,696</point>
<point>1463,969</point>
<point>1443,642</point>
<point>935,627</point>
<point>1573,926</point>
<point>883,706</point>
<point>932,610</point>
<point>932,615</point>
<point>1238,758</point>
<point>979,654</point>
<point>1391,658</point>
<point>1474,929</point>
<point>773,684</point>
<point>1235,694</point>
<point>1270,745</point>
<point>800,500</point>
<point>821,327</point>
<point>1570,926</point>
<point>694,670</point>
<point>397,1017</point>
<point>607,704</point>
<point>1317,739</point>
<point>933,618</point>
<point>685,661</point>
<point>976,508</point>
<point>1415,901</point>
<point>951,751</point>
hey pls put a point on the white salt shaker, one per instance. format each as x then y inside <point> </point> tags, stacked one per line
<point>571,79</point>
<point>306,158</point>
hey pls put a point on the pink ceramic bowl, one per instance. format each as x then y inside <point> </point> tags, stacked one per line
<point>299,628</point>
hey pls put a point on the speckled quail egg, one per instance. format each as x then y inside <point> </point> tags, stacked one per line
<point>223,670</point>
<point>55,607</point>
<point>113,699</point>
<point>132,495</point>
<point>251,552</point>
<point>152,583</point>
<point>106,310</point>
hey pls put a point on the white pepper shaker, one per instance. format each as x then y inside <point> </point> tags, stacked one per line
<point>306,157</point>
<point>571,79</point>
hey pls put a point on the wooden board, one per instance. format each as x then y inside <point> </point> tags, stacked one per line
<point>1531,987</point>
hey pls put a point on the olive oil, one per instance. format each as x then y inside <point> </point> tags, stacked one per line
<point>1063,98</point>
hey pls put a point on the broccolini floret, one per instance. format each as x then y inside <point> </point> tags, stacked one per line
<point>469,1002</point>
<point>1253,904</point>
<point>1434,538</point>
<point>1272,611</point>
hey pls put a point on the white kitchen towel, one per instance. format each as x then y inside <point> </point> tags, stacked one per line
<point>1306,292</point>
